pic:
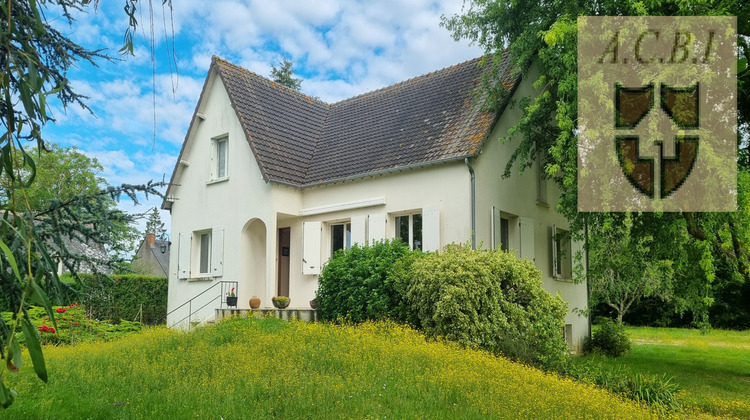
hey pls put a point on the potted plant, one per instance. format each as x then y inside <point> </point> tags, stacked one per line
<point>280,302</point>
<point>231,298</point>
<point>314,303</point>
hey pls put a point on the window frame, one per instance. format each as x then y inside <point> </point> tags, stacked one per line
<point>415,239</point>
<point>562,254</point>
<point>204,255</point>
<point>346,239</point>
<point>219,156</point>
<point>505,231</point>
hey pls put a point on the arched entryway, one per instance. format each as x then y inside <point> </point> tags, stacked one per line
<point>253,257</point>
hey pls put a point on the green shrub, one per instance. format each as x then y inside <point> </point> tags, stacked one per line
<point>356,284</point>
<point>490,300</point>
<point>611,339</point>
<point>658,391</point>
<point>129,297</point>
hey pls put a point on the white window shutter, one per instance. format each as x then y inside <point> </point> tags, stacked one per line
<point>431,228</point>
<point>527,237</point>
<point>377,227</point>
<point>183,255</point>
<point>555,273</point>
<point>359,224</point>
<point>311,232</point>
<point>495,226</point>
<point>217,252</point>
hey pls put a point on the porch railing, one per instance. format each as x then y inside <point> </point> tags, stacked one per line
<point>222,287</point>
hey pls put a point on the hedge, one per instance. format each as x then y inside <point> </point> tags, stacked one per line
<point>123,296</point>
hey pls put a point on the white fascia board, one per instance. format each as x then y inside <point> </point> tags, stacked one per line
<point>369,202</point>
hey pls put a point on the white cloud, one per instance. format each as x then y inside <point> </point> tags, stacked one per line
<point>340,48</point>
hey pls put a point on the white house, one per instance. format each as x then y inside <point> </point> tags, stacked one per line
<point>270,182</point>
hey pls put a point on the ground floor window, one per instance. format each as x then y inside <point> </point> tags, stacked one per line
<point>205,252</point>
<point>409,229</point>
<point>504,237</point>
<point>562,258</point>
<point>341,237</point>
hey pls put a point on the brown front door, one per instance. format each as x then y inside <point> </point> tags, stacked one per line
<point>283,253</point>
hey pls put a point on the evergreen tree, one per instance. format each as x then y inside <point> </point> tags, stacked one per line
<point>285,75</point>
<point>155,225</point>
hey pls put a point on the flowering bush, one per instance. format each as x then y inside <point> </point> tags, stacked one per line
<point>73,326</point>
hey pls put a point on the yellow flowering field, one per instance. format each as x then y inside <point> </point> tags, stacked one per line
<point>245,368</point>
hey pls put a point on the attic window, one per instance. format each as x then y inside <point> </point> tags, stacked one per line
<point>219,158</point>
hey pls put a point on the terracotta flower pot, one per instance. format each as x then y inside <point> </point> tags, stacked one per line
<point>254,302</point>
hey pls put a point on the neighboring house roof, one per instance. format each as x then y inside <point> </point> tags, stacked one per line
<point>89,249</point>
<point>146,254</point>
<point>301,141</point>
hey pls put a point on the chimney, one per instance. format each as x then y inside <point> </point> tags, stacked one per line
<point>151,239</point>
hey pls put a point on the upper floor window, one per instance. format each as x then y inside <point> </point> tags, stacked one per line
<point>409,229</point>
<point>219,158</point>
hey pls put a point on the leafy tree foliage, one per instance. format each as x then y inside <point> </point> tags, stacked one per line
<point>36,231</point>
<point>546,33</point>
<point>61,174</point>
<point>626,266</point>
<point>285,75</point>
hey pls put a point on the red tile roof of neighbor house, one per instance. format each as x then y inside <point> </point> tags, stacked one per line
<point>302,141</point>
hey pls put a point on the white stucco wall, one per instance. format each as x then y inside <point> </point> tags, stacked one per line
<point>228,205</point>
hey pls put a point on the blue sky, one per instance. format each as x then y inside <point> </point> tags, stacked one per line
<point>340,49</point>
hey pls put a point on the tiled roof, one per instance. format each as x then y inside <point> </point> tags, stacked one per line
<point>282,126</point>
<point>301,141</point>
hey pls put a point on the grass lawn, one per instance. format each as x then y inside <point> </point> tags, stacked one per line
<point>269,368</point>
<point>712,369</point>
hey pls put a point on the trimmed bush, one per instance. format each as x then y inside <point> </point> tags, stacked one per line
<point>490,300</point>
<point>611,339</point>
<point>356,284</point>
<point>121,297</point>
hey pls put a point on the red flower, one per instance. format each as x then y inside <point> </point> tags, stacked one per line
<point>61,310</point>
